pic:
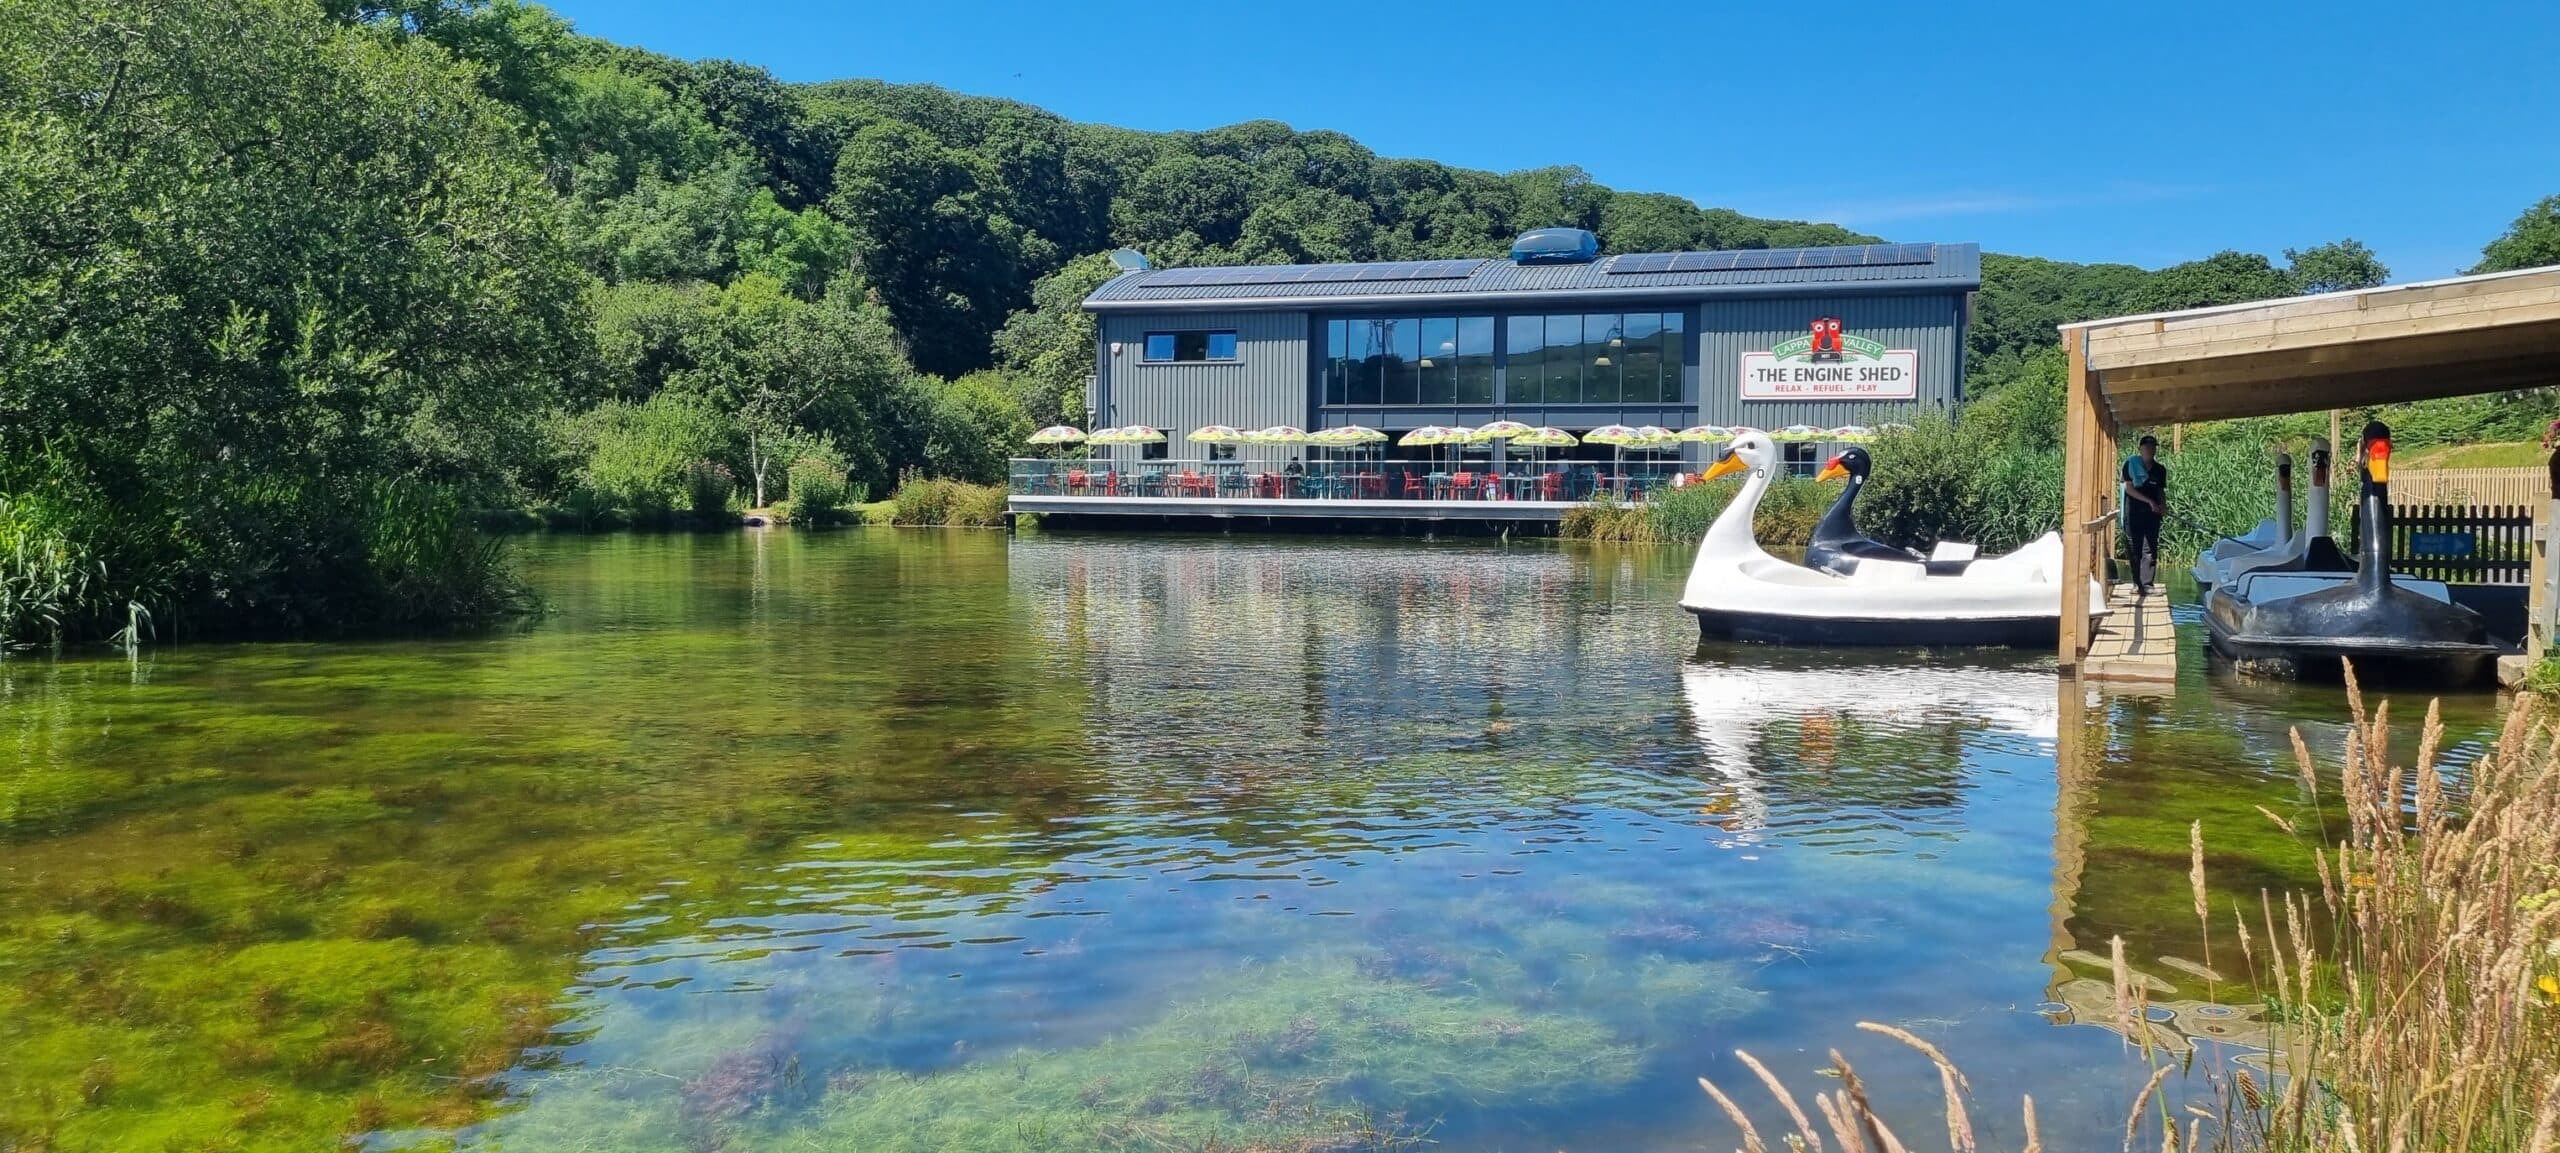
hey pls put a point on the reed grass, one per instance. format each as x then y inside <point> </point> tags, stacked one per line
<point>2416,993</point>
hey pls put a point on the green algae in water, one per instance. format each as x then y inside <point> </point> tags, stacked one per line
<point>595,886</point>
<point>1283,1057</point>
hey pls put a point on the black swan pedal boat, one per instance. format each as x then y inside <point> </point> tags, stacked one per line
<point>2301,623</point>
<point>2308,549</point>
<point>1887,597</point>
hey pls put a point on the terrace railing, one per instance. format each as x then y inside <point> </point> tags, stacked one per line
<point>1569,481</point>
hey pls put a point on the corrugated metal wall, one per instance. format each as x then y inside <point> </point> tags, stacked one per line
<point>1264,386</point>
<point>1728,329</point>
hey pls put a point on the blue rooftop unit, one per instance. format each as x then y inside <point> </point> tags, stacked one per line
<point>1555,246</point>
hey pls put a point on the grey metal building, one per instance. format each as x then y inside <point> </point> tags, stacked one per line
<point>1766,337</point>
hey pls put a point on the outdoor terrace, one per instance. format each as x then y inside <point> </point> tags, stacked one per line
<point>1322,494</point>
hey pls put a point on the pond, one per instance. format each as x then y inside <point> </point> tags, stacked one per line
<point>912,840</point>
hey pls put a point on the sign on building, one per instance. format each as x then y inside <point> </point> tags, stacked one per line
<point>1828,364</point>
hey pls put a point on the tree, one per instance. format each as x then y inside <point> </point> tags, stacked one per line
<point>2531,242</point>
<point>943,262</point>
<point>261,265</point>
<point>2337,266</point>
<point>2225,277</point>
<point>1052,342</point>
<point>788,370</point>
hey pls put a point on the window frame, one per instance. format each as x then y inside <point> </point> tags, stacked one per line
<point>1208,340</point>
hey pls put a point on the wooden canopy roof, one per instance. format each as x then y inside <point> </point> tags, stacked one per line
<point>2471,334</point>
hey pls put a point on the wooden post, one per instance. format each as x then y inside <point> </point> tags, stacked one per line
<point>2078,501</point>
<point>2337,447</point>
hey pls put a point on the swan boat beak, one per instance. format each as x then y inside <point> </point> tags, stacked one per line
<point>1831,471</point>
<point>1724,467</point>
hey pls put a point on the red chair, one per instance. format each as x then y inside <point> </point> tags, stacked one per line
<point>1076,481</point>
<point>1111,483</point>
<point>1462,485</point>
<point>1550,486</point>
<point>1413,486</point>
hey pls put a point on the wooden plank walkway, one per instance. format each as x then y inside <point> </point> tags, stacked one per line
<point>2136,641</point>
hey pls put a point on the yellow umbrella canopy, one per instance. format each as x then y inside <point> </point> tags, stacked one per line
<point>1278,434</point>
<point>1347,436</point>
<point>1127,434</point>
<point>1545,436</point>
<point>1429,434</point>
<point>1706,434</point>
<point>1058,434</point>
<point>1654,436</point>
<point>1614,434</point>
<point>1216,434</point>
<point>1500,430</point>
<point>1851,434</point>
<point>1797,432</point>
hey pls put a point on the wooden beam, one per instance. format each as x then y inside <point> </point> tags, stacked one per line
<point>2079,420</point>
<point>2428,352</point>
<point>2337,390</point>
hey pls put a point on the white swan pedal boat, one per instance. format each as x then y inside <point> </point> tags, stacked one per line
<point>1740,592</point>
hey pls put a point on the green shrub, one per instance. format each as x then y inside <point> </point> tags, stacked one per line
<point>1786,516</point>
<point>818,491</point>
<point>708,485</point>
<point>643,457</point>
<point>922,500</point>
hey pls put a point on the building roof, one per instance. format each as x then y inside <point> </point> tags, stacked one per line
<point>1675,275</point>
<point>2401,342</point>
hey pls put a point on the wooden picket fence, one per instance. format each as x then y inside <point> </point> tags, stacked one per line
<point>2528,486</point>
<point>2464,544</point>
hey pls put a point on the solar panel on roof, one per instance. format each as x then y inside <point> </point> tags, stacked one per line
<point>1313,273</point>
<point>1852,256</point>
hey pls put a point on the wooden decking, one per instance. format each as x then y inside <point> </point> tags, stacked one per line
<point>2135,640</point>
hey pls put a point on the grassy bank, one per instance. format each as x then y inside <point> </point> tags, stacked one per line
<point>2415,993</point>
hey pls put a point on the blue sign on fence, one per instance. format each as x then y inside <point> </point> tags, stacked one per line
<point>2443,543</point>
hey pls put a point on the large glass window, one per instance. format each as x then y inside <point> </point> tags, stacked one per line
<point>1439,362</point>
<point>1475,360</point>
<point>1337,364</point>
<point>1366,371</point>
<point>1403,342</point>
<point>1604,351</point>
<point>1526,365</point>
<point>1640,359</point>
<point>1409,360</point>
<point>1674,356</point>
<point>1564,360</point>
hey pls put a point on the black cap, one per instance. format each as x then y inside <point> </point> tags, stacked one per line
<point>2150,440</point>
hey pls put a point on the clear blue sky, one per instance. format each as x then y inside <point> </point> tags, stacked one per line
<point>2147,133</point>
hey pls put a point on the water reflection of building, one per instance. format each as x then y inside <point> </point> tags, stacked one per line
<point>1196,646</point>
<point>1786,727</point>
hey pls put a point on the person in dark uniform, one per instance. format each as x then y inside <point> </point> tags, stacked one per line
<point>2146,500</point>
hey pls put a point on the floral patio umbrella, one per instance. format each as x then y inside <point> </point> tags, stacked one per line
<point>1347,436</point>
<point>1545,436</point>
<point>1277,434</point>
<point>1217,434</point>
<point>1705,434</point>
<point>1057,434</point>
<point>1851,434</point>
<point>1797,432</point>
<point>1500,430</point>
<point>1617,436</point>
<point>1127,434</point>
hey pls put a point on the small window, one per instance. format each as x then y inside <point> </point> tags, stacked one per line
<point>1154,450</point>
<point>1803,458</point>
<point>1222,452</point>
<point>1182,347</point>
